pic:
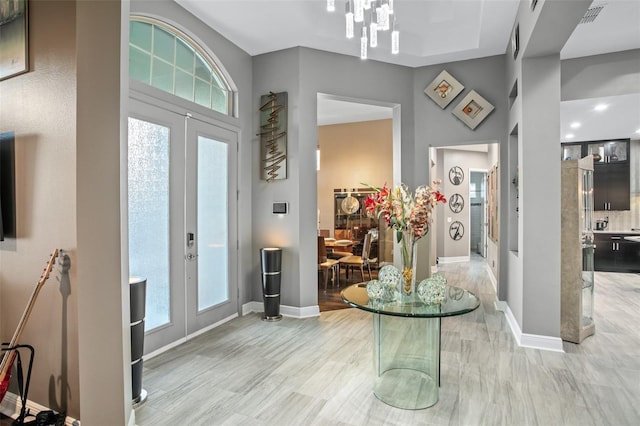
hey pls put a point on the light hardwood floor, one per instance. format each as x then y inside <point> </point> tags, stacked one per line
<point>318,371</point>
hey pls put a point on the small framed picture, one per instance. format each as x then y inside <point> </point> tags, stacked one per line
<point>443,89</point>
<point>515,41</point>
<point>473,109</point>
<point>14,58</point>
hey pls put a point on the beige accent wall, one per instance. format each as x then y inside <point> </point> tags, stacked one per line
<point>65,113</point>
<point>352,154</point>
<point>40,107</point>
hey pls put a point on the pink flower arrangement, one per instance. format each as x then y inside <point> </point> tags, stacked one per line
<point>410,216</point>
<point>403,212</point>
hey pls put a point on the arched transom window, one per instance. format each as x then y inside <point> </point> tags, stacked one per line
<point>164,58</point>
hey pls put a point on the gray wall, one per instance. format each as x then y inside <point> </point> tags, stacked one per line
<point>533,289</point>
<point>597,76</point>
<point>437,127</point>
<point>303,73</point>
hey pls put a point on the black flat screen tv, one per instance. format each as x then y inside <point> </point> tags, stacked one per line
<point>7,186</point>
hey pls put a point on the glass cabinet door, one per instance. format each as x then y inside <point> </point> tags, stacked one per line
<point>617,151</point>
<point>571,152</point>
<point>588,246</point>
<point>608,151</point>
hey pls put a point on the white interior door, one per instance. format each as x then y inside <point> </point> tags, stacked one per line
<point>182,221</point>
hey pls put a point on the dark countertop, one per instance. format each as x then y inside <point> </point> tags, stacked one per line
<point>608,231</point>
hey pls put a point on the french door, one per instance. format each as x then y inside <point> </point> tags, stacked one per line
<point>182,220</point>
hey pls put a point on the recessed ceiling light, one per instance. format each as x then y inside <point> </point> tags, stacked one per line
<point>575,125</point>
<point>569,136</point>
<point>601,107</point>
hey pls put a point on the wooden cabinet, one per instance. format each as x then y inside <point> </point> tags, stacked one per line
<point>611,174</point>
<point>611,186</point>
<point>615,254</point>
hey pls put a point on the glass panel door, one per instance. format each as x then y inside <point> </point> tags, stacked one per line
<point>182,221</point>
<point>211,223</point>
<point>156,217</point>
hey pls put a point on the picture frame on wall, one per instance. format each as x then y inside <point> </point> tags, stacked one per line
<point>473,109</point>
<point>443,89</point>
<point>14,34</point>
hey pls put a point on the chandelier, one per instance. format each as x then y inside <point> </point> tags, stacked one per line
<point>376,17</point>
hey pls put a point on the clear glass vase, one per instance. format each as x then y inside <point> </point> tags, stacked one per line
<point>409,255</point>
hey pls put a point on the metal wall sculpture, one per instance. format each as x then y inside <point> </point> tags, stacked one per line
<point>273,136</point>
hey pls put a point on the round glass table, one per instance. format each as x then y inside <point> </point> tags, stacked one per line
<point>406,343</point>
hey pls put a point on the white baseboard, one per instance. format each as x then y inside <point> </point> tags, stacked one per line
<point>250,307</point>
<point>453,259</point>
<point>492,278</point>
<point>545,343</point>
<point>534,341</point>
<point>189,337</point>
<point>11,406</point>
<point>287,311</point>
<point>303,312</point>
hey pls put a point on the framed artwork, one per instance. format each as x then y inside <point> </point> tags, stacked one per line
<point>456,230</point>
<point>456,175</point>
<point>456,203</point>
<point>473,109</point>
<point>14,58</point>
<point>443,89</point>
<point>273,136</point>
<point>515,41</point>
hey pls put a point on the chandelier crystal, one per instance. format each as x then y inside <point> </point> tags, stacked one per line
<point>380,16</point>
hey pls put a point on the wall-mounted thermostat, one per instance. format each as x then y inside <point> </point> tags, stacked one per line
<point>280,208</point>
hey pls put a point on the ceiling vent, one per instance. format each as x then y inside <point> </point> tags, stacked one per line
<point>592,13</point>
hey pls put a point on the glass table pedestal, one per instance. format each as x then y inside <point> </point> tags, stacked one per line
<point>406,343</point>
<point>406,354</point>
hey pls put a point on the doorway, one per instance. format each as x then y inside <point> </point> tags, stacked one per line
<point>182,221</point>
<point>358,145</point>
<point>478,212</point>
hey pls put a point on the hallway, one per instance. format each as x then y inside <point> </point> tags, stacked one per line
<point>318,371</point>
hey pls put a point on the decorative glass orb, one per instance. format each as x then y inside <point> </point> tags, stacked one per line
<point>389,275</point>
<point>432,291</point>
<point>439,276</point>
<point>375,290</point>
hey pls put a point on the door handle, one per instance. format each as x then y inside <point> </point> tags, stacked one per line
<point>191,256</point>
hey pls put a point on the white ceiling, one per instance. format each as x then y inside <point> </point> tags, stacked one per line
<point>621,118</point>
<point>431,32</point>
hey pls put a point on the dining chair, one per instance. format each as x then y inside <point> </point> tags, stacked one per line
<point>325,265</point>
<point>361,261</point>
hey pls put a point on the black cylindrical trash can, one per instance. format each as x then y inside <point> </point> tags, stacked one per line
<point>271,261</point>
<point>137,300</point>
